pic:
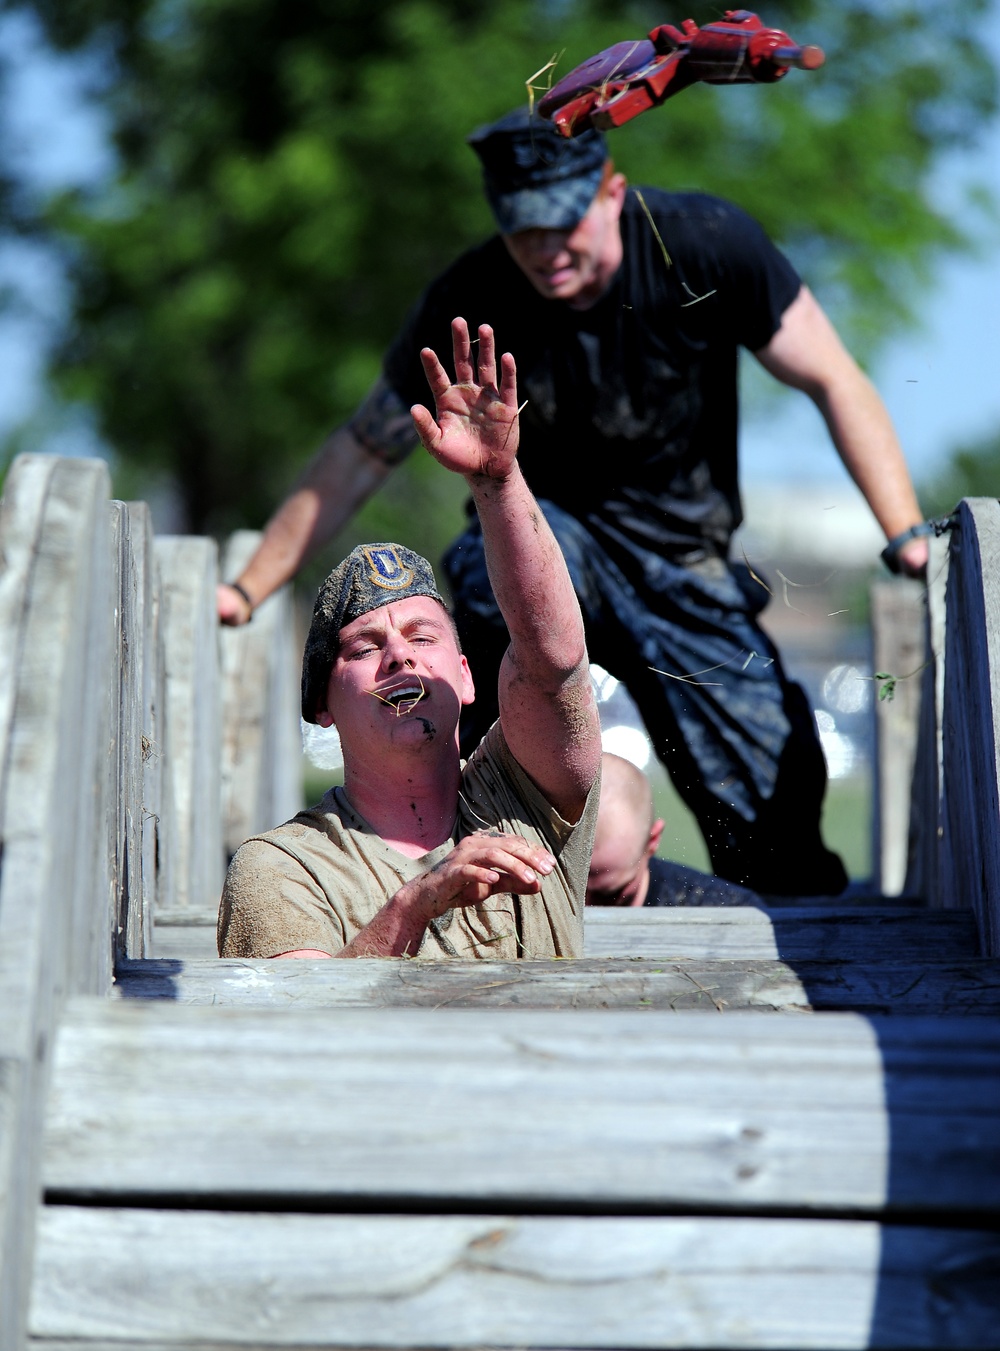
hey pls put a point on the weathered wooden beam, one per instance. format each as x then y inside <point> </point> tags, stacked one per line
<point>971,717</point>
<point>924,876</point>
<point>130,689</point>
<point>199,1279</point>
<point>831,933</point>
<point>261,740</point>
<point>157,817</point>
<point>188,570</point>
<point>186,935</point>
<point>55,913</point>
<point>970,987</point>
<point>644,1111</point>
<point>899,642</point>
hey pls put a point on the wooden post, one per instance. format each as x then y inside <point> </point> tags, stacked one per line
<point>899,643</point>
<point>55,626</point>
<point>191,738</point>
<point>970,859</point>
<point>261,741</point>
<point>131,683</point>
<point>923,876</point>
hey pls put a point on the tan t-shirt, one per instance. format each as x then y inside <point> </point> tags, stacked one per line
<point>316,881</point>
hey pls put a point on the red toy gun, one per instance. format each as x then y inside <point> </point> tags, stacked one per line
<point>625,80</point>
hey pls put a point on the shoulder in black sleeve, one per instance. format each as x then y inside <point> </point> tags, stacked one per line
<point>729,273</point>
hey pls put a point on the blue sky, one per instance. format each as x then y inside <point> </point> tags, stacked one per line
<point>941,383</point>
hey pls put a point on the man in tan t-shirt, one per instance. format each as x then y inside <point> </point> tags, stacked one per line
<point>420,853</point>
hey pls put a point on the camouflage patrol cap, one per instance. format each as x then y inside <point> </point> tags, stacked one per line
<point>536,178</point>
<point>372,575</point>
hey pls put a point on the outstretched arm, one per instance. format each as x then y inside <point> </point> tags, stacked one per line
<point>807,354</point>
<point>547,707</point>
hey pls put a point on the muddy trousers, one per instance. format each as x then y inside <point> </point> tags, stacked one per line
<point>735,734</point>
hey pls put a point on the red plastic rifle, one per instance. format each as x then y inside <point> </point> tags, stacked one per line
<point>627,79</point>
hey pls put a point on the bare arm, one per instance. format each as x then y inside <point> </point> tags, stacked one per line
<point>806,353</point>
<point>346,470</point>
<point>547,708</point>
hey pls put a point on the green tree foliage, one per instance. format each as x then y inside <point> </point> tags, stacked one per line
<point>972,471</point>
<point>292,174</point>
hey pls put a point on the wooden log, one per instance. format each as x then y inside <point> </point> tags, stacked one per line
<point>188,570</point>
<point>960,988</point>
<point>971,717</point>
<point>832,933</point>
<point>55,924</point>
<point>195,1279</point>
<point>261,740</point>
<point>583,1110</point>
<point>899,642</point>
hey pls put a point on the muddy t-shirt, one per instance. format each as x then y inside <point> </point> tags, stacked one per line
<point>631,414</point>
<point>316,881</point>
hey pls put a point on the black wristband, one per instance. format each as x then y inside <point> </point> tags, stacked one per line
<point>235,586</point>
<point>890,554</point>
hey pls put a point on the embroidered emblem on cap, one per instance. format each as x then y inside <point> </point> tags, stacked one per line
<point>387,570</point>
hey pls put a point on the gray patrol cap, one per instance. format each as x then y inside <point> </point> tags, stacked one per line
<point>536,178</point>
<point>372,575</point>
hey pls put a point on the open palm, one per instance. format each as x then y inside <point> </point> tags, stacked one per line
<point>474,430</point>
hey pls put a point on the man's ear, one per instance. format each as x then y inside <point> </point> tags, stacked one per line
<point>617,185</point>
<point>468,686</point>
<point>655,831</point>
<point>323,719</point>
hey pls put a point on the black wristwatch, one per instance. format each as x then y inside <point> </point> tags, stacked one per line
<point>235,586</point>
<point>890,554</point>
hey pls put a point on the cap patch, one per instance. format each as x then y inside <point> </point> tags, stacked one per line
<point>386,569</point>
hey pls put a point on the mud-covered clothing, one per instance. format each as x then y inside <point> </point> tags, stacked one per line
<point>629,443</point>
<point>673,884</point>
<point>316,881</point>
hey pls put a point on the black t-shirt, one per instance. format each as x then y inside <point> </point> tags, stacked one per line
<point>631,419</point>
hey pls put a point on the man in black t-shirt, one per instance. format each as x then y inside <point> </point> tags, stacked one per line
<point>626,311</point>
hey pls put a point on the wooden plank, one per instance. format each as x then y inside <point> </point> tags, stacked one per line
<point>924,877</point>
<point>186,941</point>
<point>898,621</point>
<point>846,932</point>
<point>125,763</point>
<point>135,1278</point>
<point>834,933</point>
<point>957,988</point>
<point>645,1111</point>
<point>261,740</point>
<point>54,921</point>
<point>158,834</point>
<point>188,569</point>
<point>971,716</point>
<point>134,852</point>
